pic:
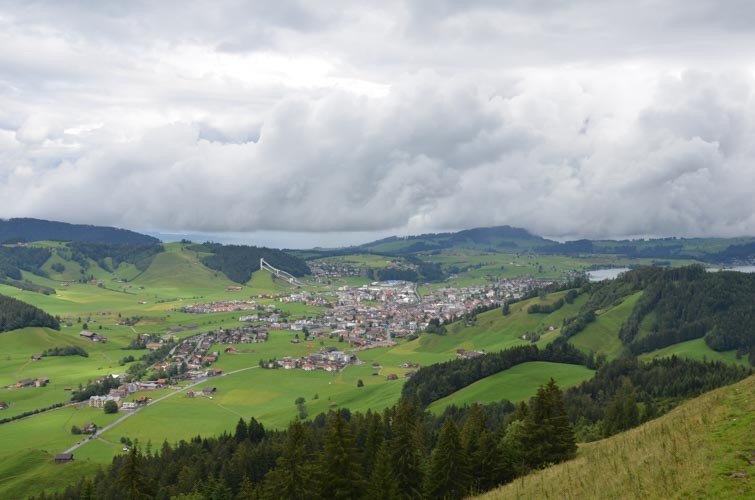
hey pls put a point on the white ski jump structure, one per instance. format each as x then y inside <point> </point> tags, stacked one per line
<point>279,274</point>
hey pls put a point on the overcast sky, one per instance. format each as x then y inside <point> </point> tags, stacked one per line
<point>569,118</point>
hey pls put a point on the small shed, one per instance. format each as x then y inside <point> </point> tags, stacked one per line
<point>63,458</point>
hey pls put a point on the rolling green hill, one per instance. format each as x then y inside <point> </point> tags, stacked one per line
<point>705,448</point>
<point>516,384</point>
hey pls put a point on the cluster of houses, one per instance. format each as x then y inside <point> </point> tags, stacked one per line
<point>31,382</point>
<point>222,306</point>
<point>193,354</point>
<point>322,271</point>
<point>329,359</point>
<point>123,391</point>
<point>376,314</point>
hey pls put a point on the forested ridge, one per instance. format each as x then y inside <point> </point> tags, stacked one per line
<point>28,230</point>
<point>139,254</point>
<point>238,262</point>
<point>15,314</point>
<point>14,259</point>
<point>687,303</point>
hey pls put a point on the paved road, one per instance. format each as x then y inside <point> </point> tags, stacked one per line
<point>155,401</point>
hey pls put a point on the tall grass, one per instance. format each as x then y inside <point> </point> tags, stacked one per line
<point>697,451</point>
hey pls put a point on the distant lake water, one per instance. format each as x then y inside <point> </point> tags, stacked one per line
<point>605,274</point>
<point>609,274</point>
<point>741,269</point>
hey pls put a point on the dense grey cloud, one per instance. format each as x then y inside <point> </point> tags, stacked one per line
<point>568,118</point>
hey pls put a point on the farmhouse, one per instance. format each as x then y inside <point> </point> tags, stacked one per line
<point>209,390</point>
<point>26,382</point>
<point>3,405</point>
<point>61,458</point>
<point>36,357</point>
<point>89,335</point>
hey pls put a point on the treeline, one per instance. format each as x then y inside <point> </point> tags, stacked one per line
<point>26,230</point>
<point>139,254</point>
<point>627,392</point>
<point>15,314</point>
<point>690,303</point>
<point>394,274</point>
<point>238,262</point>
<point>14,259</point>
<point>30,413</point>
<point>439,380</point>
<point>734,254</point>
<point>546,308</point>
<point>70,350</point>
<point>402,452</point>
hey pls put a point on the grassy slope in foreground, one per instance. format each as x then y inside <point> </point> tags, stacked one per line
<point>515,384</point>
<point>698,450</point>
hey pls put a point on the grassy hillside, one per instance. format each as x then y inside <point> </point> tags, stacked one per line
<point>695,349</point>
<point>515,384</point>
<point>602,335</point>
<point>705,448</point>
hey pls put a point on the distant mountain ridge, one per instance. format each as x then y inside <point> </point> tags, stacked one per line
<point>28,230</point>
<point>513,239</point>
<point>483,238</point>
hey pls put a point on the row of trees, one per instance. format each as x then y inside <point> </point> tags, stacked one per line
<point>69,350</point>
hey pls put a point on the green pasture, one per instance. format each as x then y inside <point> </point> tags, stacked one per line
<point>29,445</point>
<point>17,347</point>
<point>695,349</point>
<point>515,384</point>
<point>602,335</point>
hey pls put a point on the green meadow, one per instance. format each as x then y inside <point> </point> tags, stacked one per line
<point>695,349</point>
<point>602,335</point>
<point>29,444</point>
<point>518,383</point>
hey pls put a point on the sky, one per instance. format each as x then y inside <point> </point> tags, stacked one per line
<point>314,123</point>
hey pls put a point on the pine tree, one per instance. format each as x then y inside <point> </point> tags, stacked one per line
<point>405,447</point>
<point>471,433</point>
<point>548,434</point>
<point>242,431</point>
<point>382,484</point>
<point>292,477</point>
<point>339,476</point>
<point>623,413</point>
<point>375,436</point>
<point>256,430</point>
<point>132,481</point>
<point>448,473</point>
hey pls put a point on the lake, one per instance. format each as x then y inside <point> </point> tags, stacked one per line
<point>609,274</point>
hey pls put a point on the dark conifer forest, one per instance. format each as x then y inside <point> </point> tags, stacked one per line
<point>17,314</point>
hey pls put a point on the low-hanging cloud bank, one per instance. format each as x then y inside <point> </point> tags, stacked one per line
<point>602,149</point>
